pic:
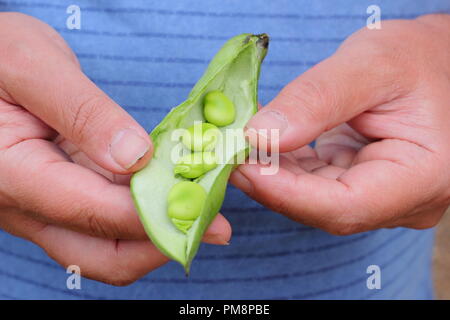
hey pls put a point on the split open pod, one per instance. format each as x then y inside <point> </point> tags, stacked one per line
<point>175,214</point>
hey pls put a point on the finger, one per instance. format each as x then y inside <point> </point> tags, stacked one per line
<point>305,198</point>
<point>288,162</point>
<point>426,220</point>
<point>329,171</point>
<point>16,124</point>
<point>340,145</point>
<point>117,262</point>
<point>348,201</point>
<point>297,162</point>
<point>41,78</point>
<point>304,152</point>
<point>311,164</point>
<point>66,194</point>
<point>218,232</point>
<point>40,179</point>
<point>331,93</point>
<point>79,157</point>
<point>304,159</point>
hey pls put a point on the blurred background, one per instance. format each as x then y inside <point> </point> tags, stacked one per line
<point>441,259</point>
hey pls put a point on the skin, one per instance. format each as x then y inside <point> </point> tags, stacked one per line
<point>63,184</point>
<point>379,111</point>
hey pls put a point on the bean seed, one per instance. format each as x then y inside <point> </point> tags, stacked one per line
<point>194,165</point>
<point>201,137</point>
<point>185,204</point>
<point>218,109</point>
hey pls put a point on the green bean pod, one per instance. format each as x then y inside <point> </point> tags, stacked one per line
<point>234,71</point>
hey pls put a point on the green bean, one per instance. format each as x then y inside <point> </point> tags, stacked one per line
<point>185,203</point>
<point>201,137</point>
<point>218,109</point>
<point>194,165</point>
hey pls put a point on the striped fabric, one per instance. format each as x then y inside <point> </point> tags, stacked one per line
<point>147,55</point>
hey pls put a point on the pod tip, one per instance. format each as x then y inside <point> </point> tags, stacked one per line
<point>263,40</point>
<point>187,270</point>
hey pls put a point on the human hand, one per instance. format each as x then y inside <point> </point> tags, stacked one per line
<point>66,152</point>
<point>379,112</point>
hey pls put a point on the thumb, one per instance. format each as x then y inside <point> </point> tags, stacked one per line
<point>332,92</point>
<point>57,91</point>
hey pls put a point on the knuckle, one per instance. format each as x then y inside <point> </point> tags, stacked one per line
<point>86,218</point>
<point>24,50</point>
<point>390,63</point>
<point>11,121</point>
<point>96,226</point>
<point>428,220</point>
<point>113,273</point>
<point>8,15</point>
<point>382,56</point>
<point>425,225</point>
<point>101,225</point>
<point>120,279</point>
<point>279,203</point>
<point>86,115</point>
<point>20,55</point>
<point>14,15</point>
<point>316,99</point>
<point>344,227</point>
<point>13,20</point>
<point>446,196</point>
<point>341,231</point>
<point>19,48</point>
<point>121,272</point>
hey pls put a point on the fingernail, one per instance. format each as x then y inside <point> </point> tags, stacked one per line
<point>241,181</point>
<point>265,121</point>
<point>127,147</point>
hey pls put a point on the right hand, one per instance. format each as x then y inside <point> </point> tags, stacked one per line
<point>66,152</point>
<point>378,110</point>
